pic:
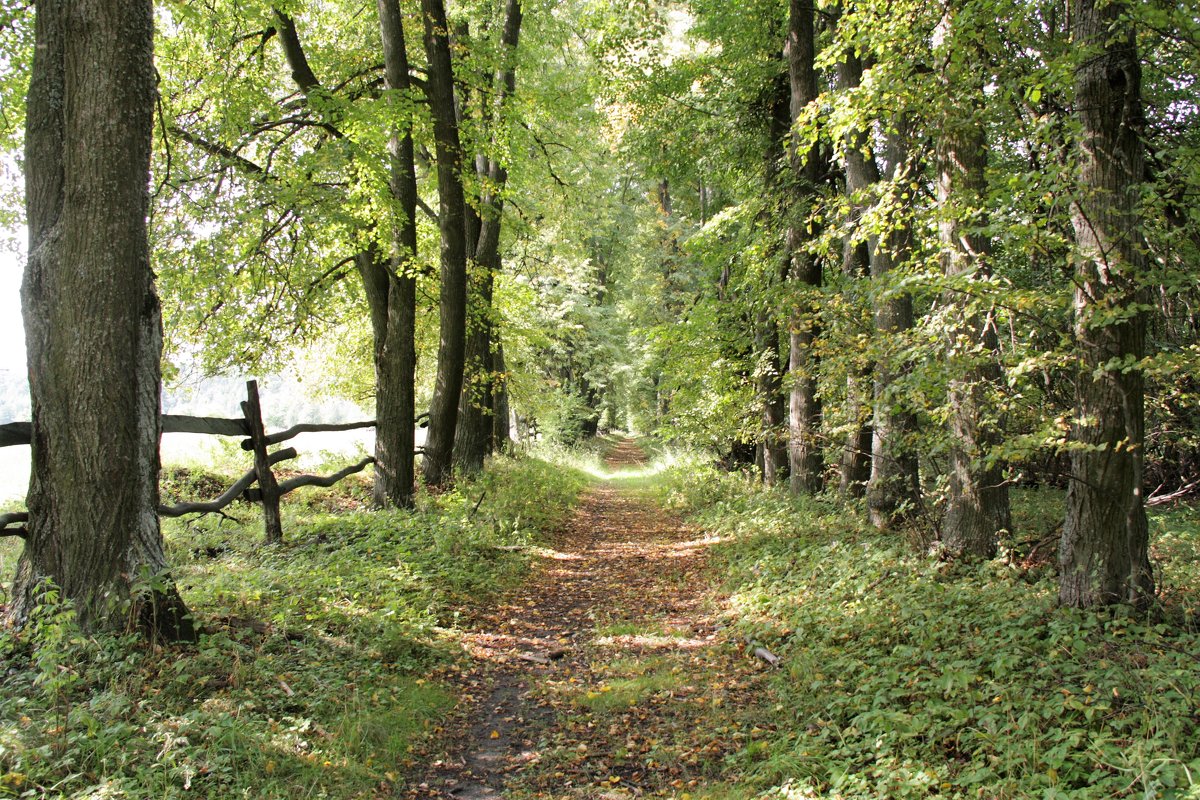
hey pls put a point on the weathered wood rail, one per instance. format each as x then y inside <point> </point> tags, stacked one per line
<point>256,439</point>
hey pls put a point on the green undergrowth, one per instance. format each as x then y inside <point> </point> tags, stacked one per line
<point>310,677</point>
<point>904,676</point>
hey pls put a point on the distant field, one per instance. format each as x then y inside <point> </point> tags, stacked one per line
<point>200,450</point>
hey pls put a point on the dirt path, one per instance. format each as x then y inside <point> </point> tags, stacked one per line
<point>598,679</point>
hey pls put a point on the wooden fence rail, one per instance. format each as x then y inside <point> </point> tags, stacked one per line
<point>269,490</point>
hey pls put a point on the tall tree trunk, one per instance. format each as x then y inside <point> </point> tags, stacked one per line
<point>474,440</point>
<point>393,308</point>
<point>388,283</point>
<point>1103,555</point>
<point>894,490</point>
<point>772,455</point>
<point>977,507</point>
<point>854,468</point>
<point>894,485</point>
<point>452,304</point>
<point>92,323</point>
<point>805,459</point>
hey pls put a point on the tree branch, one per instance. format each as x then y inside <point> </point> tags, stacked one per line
<point>220,151</point>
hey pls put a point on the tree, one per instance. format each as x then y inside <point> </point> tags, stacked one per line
<point>258,210</point>
<point>1103,555</point>
<point>805,457</point>
<point>392,291</point>
<point>474,437</point>
<point>773,448</point>
<point>977,506</point>
<point>93,329</point>
<point>443,409</point>
<point>894,485</point>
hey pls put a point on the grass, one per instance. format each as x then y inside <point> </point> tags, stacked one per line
<point>907,677</point>
<point>311,678</point>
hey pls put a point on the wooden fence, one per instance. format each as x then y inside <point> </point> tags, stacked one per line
<point>255,438</point>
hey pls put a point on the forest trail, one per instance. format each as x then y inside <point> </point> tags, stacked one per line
<point>601,677</point>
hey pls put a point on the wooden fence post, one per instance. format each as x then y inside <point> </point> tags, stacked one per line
<point>262,465</point>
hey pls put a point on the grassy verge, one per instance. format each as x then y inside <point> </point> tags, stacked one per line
<point>309,680</point>
<point>906,677</point>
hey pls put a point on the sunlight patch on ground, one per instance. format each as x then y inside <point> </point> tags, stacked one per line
<point>650,641</point>
<point>625,472</point>
<point>556,555</point>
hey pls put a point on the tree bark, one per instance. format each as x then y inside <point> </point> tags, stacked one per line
<point>772,447</point>
<point>894,490</point>
<point>977,506</point>
<point>92,324</point>
<point>854,468</point>
<point>805,459</point>
<point>474,439</point>
<point>452,303</point>
<point>894,485</point>
<point>1103,555</point>
<point>394,303</point>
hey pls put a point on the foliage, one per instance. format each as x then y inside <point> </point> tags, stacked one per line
<point>310,677</point>
<point>905,677</point>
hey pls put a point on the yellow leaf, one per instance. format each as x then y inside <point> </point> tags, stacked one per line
<point>495,734</point>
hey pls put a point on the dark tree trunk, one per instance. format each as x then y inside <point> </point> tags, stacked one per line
<point>805,459</point>
<point>854,469</point>
<point>443,409</point>
<point>474,439</point>
<point>391,292</point>
<point>772,455</point>
<point>977,506</point>
<point>1103,555</point>
<point>92,323</point>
